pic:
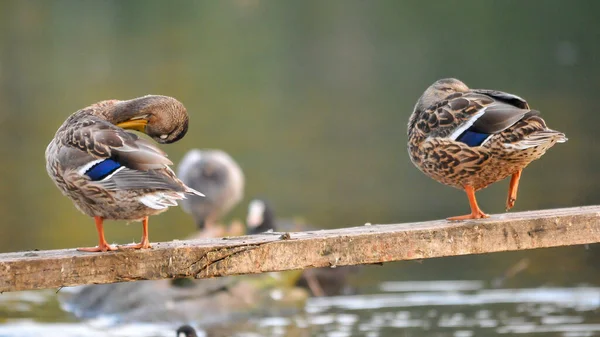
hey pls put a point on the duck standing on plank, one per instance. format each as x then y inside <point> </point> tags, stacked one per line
<point>205,301</point>
<point>471,138</point>
<point>112,174</point>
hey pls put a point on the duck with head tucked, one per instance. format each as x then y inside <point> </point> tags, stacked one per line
<point>112,174</point>
<point>217,175</point>
<point>471,138</point>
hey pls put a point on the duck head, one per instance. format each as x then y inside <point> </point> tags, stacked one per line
<point>440,90</point>
<point>260,217</point>
<point>163,118</point>
<point>435,93</point>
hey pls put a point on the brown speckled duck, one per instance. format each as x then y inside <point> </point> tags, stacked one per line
<point>471,138</point>
<point>112,174</point>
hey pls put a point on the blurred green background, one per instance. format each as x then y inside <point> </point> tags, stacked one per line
<point>312,99</point>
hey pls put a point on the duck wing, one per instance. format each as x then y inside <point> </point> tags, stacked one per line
<point>101,139</point>
<point>117,159</point>
<point>473,117</point>
<point>504,112</point>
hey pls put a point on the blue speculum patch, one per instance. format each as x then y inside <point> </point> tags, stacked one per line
<point>103,169</point>
<point>472,138</point>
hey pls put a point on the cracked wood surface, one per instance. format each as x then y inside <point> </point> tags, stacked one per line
<point>269,252</point>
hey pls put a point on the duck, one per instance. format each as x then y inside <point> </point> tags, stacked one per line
<point>221,179</point>
<point>471,138</point>
<point>112,174</point>
<point>319,281</point>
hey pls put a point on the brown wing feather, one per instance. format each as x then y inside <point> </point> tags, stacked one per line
<point>128,179</point>
<point>499,117</point>
<point>504,97</point>
<point>104,140</point>
<point>442,119</point>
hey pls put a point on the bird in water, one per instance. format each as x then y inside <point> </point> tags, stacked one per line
<point>186,331</point>
<point>112,174</point>
<point>220,177</point>
<point>471,138</point>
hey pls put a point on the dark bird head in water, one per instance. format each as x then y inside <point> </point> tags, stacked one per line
<point>186,331</point>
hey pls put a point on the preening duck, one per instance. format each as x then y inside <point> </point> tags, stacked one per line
<point>471,138</point>
<point>112,174</point>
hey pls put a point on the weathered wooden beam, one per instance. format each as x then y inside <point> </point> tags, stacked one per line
<point>281,251</point>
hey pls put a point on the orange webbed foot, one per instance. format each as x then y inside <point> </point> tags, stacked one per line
<point>101,248</point>
<point>142,245</point>
<point>476,212</point>
<point>477,215</point>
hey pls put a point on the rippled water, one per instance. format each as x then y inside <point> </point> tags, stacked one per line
<point>427,308</point>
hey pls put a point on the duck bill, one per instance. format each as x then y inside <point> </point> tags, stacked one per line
<point>135,124</point>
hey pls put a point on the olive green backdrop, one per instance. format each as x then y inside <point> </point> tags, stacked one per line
<point>311,97</point>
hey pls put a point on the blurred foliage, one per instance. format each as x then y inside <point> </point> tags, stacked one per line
<point>312,98</point>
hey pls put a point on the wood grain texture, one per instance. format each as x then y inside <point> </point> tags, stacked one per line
<point>282,251</point>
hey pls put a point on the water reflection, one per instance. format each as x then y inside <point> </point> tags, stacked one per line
<point>436,308</point>
<point>585,298</point>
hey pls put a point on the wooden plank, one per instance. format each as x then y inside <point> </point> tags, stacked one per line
<point>281,251</point>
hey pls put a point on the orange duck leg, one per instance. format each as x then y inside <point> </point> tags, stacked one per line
<point>476,212</point>
<point>145,242</point>
<point>512,189</point>
<point>103,246</point>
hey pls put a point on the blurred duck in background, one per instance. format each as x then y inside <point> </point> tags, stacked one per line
<point>208,302</point>
<point>112,174</point>
<point>320,281</point>
<point>261,219</point>
<point>222,180</point>
<point>471,138</point>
